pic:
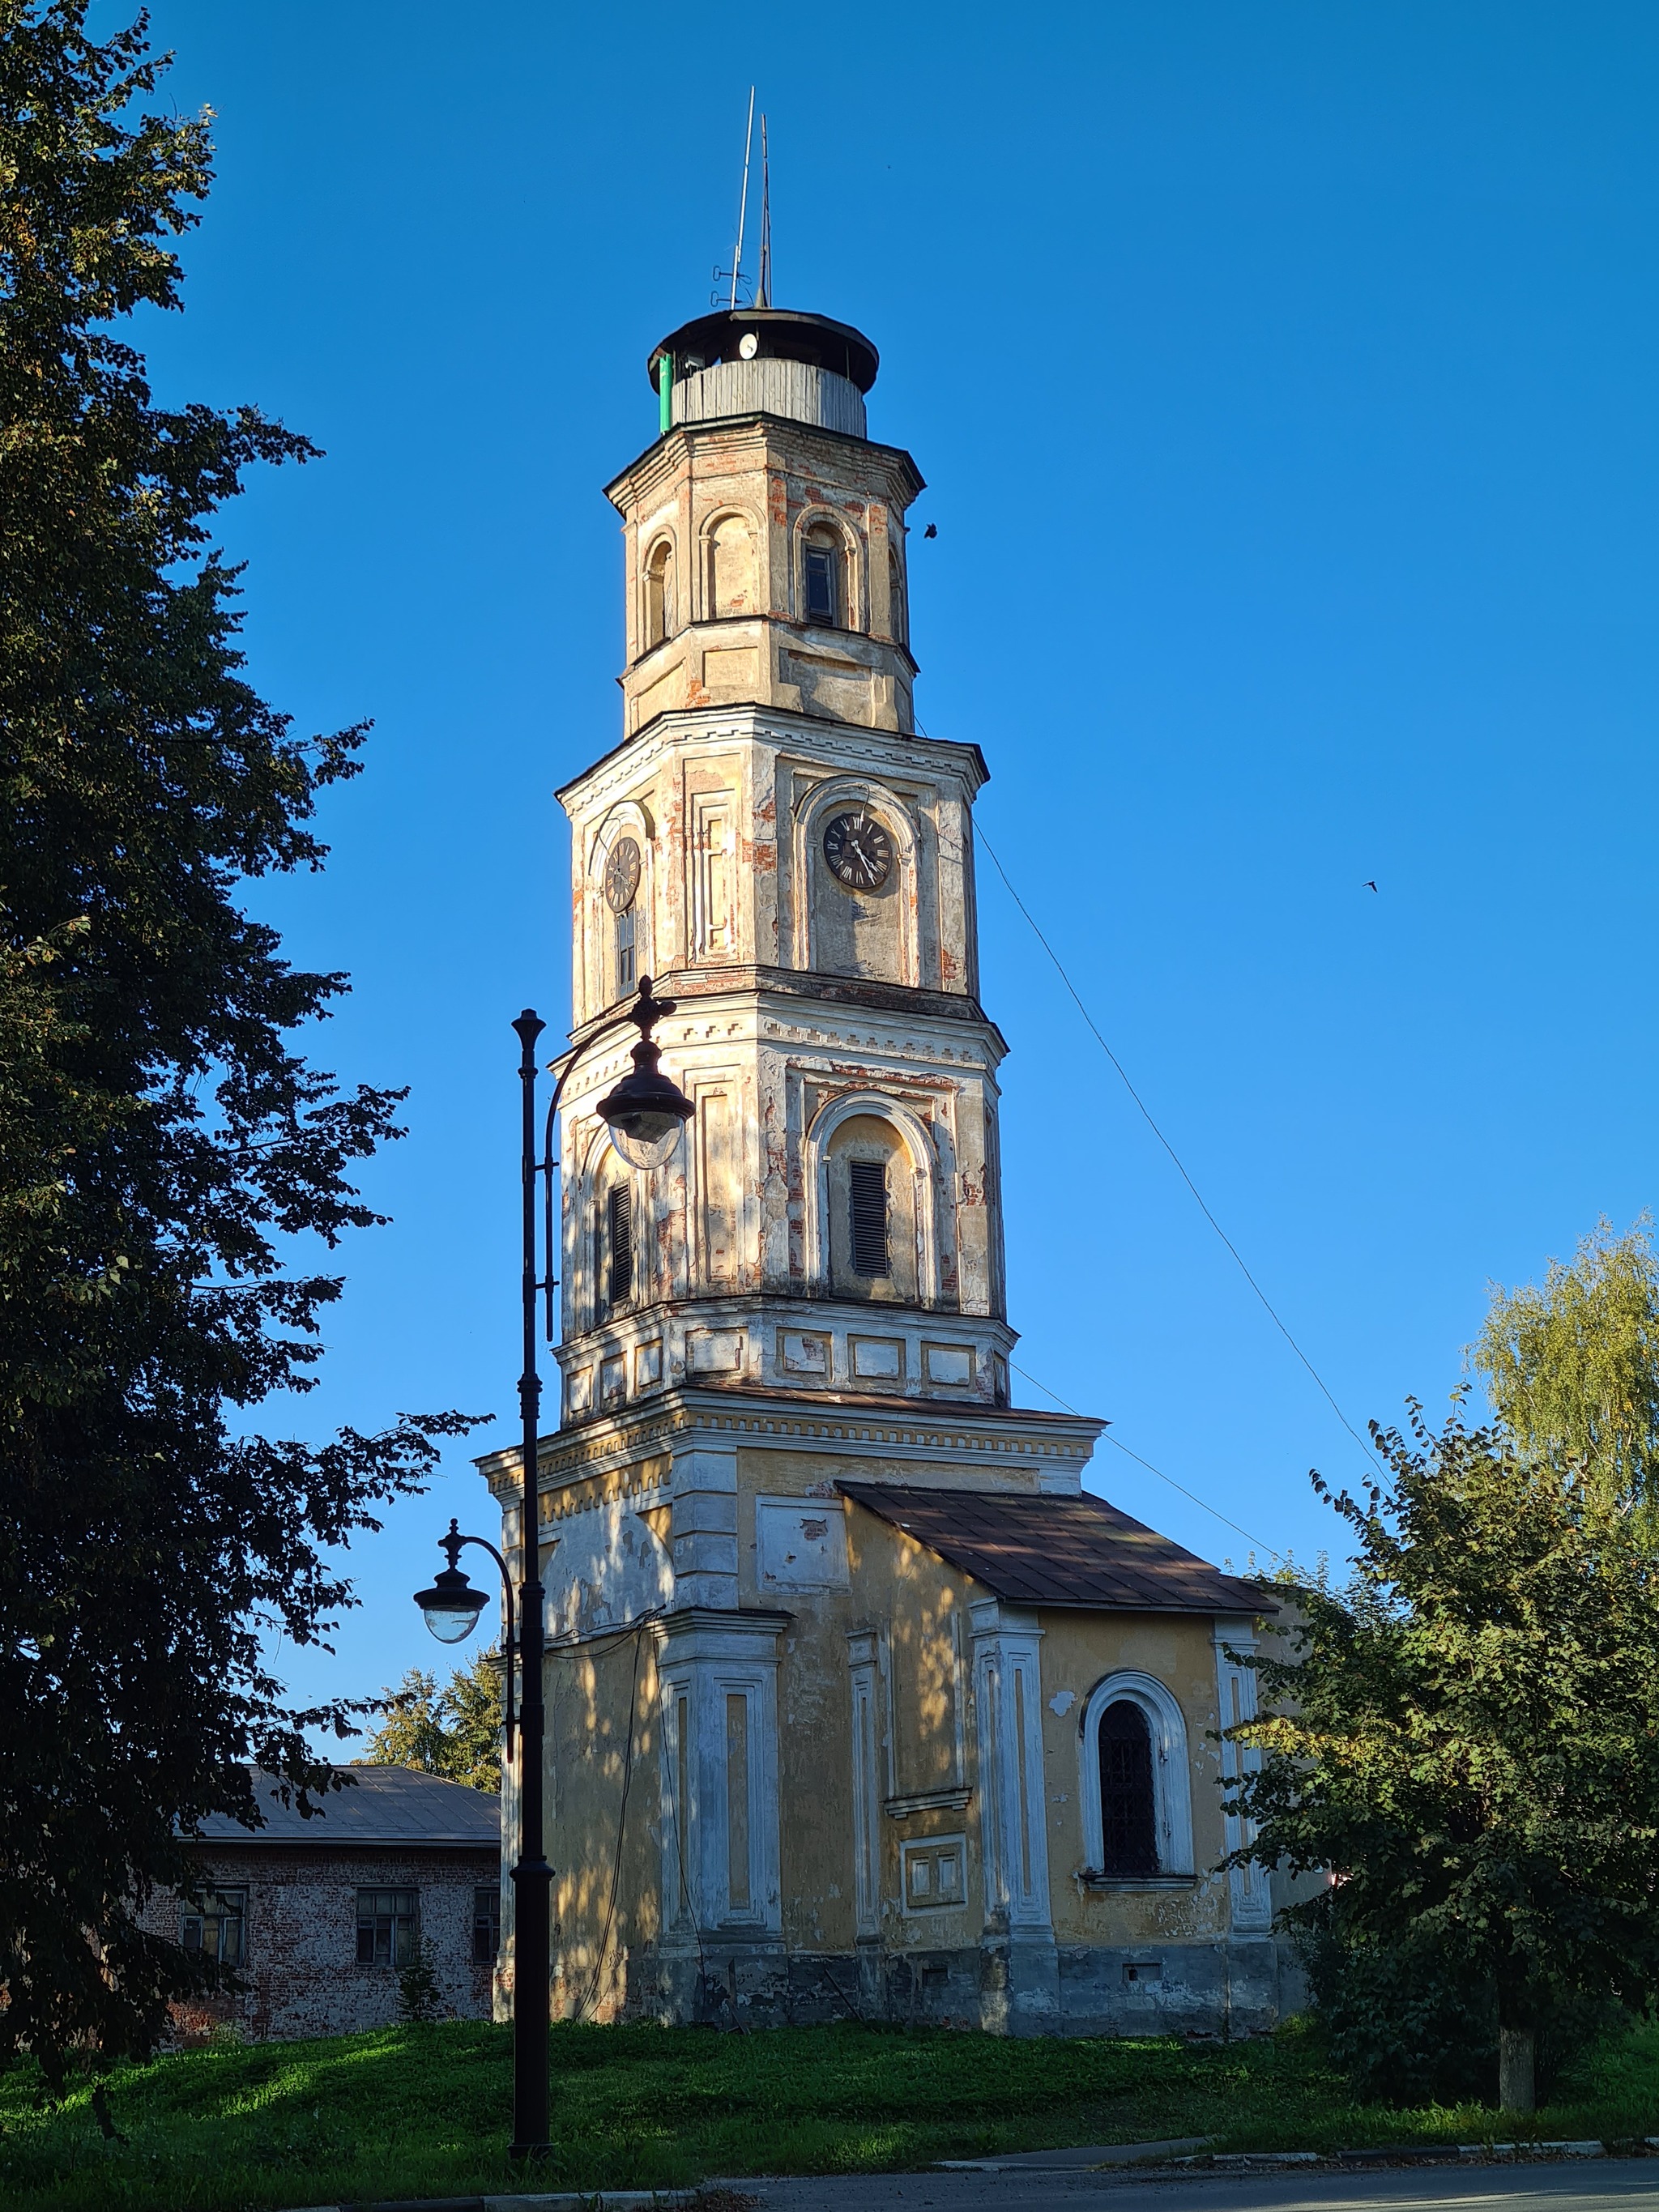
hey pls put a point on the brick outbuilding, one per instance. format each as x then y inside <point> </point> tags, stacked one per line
<point>320,1915</point>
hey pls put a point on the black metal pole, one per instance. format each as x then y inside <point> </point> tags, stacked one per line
<point>532,1877</point>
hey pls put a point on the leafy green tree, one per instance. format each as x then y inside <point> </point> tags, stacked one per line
<point>165,1149</point>
<point>454,1731</point>
<point>1467,1737</point>
<point>1572,1369</point>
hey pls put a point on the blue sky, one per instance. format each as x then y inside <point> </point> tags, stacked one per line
<point>1284,378</point>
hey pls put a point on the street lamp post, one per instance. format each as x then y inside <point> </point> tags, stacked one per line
<point>644,1113</point>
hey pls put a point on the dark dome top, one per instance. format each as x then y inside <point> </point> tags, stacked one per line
<point>782,335</point>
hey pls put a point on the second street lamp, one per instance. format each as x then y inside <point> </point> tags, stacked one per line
<point>644,1113</point>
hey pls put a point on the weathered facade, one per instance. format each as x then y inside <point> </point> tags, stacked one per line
<point>810,1754</point>
<point>319,1916</point>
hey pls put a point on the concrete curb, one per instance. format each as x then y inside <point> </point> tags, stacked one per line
<point>1089,2160</point>
<point>560,2200</point>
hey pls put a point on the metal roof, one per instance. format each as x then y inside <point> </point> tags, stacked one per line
<point>780,334</point>
<point>377,1805</point>
<point>1080,1552</point>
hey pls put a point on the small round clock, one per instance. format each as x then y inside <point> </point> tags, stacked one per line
<point>621,875</point>
<point>858,850</point>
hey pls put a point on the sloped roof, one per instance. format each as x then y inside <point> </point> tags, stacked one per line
<point>1078,1552</point>
<point>378,1805</point>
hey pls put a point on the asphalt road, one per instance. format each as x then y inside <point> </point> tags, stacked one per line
<point>1586,2185</point>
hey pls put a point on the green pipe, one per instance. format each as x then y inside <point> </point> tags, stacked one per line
<point>665,394</point>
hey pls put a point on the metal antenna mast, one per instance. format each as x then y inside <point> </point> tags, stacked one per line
<point>743,203</point>
<point>763,289</point>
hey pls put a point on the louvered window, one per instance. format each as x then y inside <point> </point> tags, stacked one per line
<point>868,1194</point>
<point>626,978</point>
<point>1128,1811</point>
<point>619,1243</point>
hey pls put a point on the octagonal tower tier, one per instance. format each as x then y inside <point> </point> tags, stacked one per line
<point>776,846</point>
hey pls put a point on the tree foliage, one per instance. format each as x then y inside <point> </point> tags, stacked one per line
<point>454,1731</point>
<point>163,1140</point>
<point>1467,1737</point>
<point>1572,1369</point>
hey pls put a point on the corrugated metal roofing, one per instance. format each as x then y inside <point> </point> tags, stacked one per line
<point>1080,1552</point>
<point>378,1805</point>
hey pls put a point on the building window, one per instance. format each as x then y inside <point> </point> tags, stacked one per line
<point>823,578</point>
<point>659,595</point>
<point>486,1923</point>
<point>385,1926</point>
<point>1135,1785</point>
<point>866,1184</point>
<point>626,977</point>
<point>1128,1810</point>
<point>214,1924</point>
<point>613,1246</point>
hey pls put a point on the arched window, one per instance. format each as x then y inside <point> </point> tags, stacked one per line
<point>658,594</point>
<point>1136,1783</point>
<point>823,584</point>
<point>1129,1810</point>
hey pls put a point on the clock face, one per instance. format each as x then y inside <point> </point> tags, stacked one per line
<point>858,851</point>
<point>621,875</point>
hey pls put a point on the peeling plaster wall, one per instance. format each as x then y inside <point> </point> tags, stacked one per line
<point>784,1027</point>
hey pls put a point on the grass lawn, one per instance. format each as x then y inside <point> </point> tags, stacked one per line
<point>416,2112</point>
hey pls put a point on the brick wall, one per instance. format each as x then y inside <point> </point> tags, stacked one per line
<point>301,1936</point>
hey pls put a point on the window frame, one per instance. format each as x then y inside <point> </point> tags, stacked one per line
<point>1136,1814</point>
<point>486,1911</point>
<point>395,1920</point>
<point>194,1908</point>
<point>832,554</point>
<point>625,949</point>
<point>1172,1780</point>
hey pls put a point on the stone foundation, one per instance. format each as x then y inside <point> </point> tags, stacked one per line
<point>1242,1986</point>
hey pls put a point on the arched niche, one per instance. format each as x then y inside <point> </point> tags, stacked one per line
<point>898,613</point>
<point>608,977</point>
<point>729,575</point>
<point>842,929</point>
<point>659,614</point>
<point>609,1241</point>
<point>868,1129</point>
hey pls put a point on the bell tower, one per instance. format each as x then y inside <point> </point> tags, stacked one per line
<point>776,846</point>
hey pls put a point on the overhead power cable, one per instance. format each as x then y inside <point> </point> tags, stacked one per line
<point>1180,1165</point>
<point>1203,1504</point>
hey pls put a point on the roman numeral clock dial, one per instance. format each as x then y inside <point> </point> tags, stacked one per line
<point>858,850</point>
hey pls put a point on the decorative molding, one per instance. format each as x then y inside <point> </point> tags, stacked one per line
<point>1172,1771</point>
<point>1251,1893</point>
<point>637,1432</point>
<point>927,1801</point>
<point>826,743</point>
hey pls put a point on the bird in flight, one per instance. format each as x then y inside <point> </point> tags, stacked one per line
<point>932,531</point>
<point>1369,887</point>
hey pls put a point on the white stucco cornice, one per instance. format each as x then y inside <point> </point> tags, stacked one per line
<point>848,746</point>
<point>983,1442</point>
